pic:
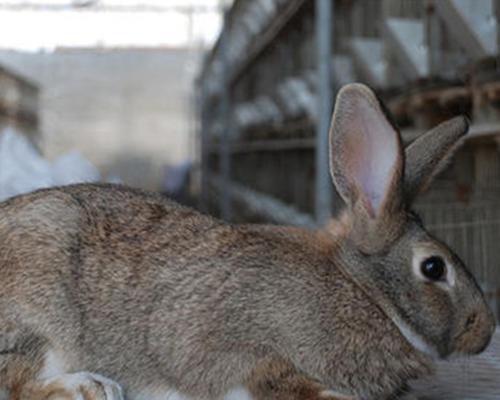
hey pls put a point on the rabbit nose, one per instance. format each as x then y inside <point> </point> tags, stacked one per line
<point>477,331</point>
<point>470,320</point>
<point>480,324</point>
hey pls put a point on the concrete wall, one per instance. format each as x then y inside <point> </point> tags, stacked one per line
<point>128,111</point>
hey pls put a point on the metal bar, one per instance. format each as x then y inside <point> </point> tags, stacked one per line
<point>224,149</point>
<point>324,22</point>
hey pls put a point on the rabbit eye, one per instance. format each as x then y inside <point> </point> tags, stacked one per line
<point>433,268</point>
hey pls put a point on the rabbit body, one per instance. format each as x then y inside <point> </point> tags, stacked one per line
<point>152,294</point>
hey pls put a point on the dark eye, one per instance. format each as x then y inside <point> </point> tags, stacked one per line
<point>433,268</point>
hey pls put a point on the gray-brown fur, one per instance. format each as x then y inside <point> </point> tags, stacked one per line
<point>151,294</point>
<point>430,154</point>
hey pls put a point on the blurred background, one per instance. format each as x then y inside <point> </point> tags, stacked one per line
<point>225,105</point>
<point>110,82</point>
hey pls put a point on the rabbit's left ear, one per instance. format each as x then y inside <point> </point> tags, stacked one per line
<point>366,158</point>
<point>366,163</point>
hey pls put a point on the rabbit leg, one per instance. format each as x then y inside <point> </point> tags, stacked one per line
<point>76,386</point>
<point>279,381</point>
<point>21,356</point>
<point>28,372</point>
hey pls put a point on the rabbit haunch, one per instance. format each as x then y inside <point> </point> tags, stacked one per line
<point>105,282</point>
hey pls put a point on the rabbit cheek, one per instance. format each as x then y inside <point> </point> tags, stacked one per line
<point>423,307</point>
<point>438,307</point>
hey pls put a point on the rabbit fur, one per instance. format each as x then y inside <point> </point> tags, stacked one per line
<point>109,292</point>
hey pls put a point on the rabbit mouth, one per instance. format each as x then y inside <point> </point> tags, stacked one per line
<point>467,346</point>
<point>473,339</point>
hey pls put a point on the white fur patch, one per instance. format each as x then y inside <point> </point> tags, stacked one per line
<point>54,365</point>
<point>337,395</point>
<point>238,393</point>
<point>416,340</point>
<point>156,394</point>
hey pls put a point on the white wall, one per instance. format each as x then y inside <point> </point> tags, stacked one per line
<point>128,111</point>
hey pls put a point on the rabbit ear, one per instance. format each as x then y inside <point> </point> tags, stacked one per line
<point>428,155</point>
<point>366,160</point>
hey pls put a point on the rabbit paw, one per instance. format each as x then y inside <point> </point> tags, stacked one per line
<point>81,386</point>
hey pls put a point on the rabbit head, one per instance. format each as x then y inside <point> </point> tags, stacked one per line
<point>415,278</point>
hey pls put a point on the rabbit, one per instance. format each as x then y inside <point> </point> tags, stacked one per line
<point>109,292</point>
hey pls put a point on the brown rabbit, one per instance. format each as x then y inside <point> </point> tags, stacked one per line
<point>103,280</point>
